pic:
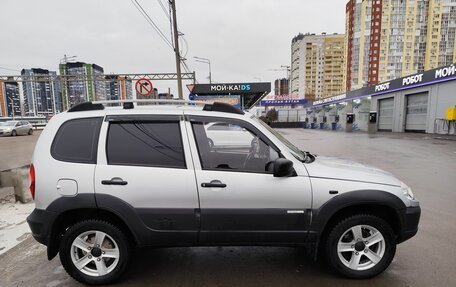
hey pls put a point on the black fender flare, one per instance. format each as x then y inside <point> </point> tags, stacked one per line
<point>96,202</point>
<point>322,215</point>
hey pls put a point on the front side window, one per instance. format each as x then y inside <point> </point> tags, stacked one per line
<point>232,146</point>
<point>77,141</point>
<point>143,143</point>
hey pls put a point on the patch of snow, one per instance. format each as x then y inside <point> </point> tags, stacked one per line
<point>13,224</point>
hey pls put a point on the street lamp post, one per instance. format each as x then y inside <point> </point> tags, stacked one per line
<point>206,61</point>
<point>11,103</point>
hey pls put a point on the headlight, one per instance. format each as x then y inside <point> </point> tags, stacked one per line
<point>407,191</point>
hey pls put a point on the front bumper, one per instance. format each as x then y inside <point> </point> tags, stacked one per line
<point>410,218</point>
<point>4,134</point>
<point>40,222</point>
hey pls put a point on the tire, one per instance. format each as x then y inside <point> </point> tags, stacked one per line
<point>30,132</point>
<point>13,133</point>
<point>210,142</point>
<point>95,261</point>
<point>373,257</point>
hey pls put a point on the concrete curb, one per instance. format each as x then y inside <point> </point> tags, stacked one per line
<point>18,178</point>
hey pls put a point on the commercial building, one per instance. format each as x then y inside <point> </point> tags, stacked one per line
<point>80,83</point>
<point>317,65</point>
<point>389,39</point>
<point>415,103</point>
<point>118,87</point>
<point>42,97</point>
<point>10,98</point>
<point>281,86</point>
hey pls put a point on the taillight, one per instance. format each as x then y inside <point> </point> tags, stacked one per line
<point>32,181</point>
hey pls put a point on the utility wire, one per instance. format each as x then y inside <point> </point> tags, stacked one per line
<point>9,69</point>
<point>171,43</point>
<point>167,13</point>
<point>151,22</point>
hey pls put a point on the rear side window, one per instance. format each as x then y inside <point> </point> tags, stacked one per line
<point>77,141</point>
<point>137,143</point>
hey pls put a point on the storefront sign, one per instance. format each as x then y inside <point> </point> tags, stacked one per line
<point>330,99</point>
<point>227,88</point>
<point>230,88</point>
<point>382,87</point>
<point>283,102</point>
<point>422,79</point>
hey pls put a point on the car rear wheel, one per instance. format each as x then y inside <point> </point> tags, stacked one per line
<point>94,252</point>
<point>30,132</point>
<point>210,142</point>
<point>360,246</point>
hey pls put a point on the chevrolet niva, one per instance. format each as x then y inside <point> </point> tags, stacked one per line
<point>108,179</point>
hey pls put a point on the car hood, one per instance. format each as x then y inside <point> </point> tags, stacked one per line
<point>342,169</point>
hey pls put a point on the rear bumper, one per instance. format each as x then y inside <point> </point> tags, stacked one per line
<point>410,219</point>
<point>40,223</point>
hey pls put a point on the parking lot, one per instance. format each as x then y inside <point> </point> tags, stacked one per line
<point>425,163</point>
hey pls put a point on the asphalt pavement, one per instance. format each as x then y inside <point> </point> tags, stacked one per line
<point>17,151</point>
<point>427,164</point>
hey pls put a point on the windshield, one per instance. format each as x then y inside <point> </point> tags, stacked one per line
<point>297,153</point>
<point>9,123</point>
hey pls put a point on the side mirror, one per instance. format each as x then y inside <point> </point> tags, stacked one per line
<point>283,167</point>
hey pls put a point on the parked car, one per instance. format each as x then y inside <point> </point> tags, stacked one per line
<point>109,179</point>
<point>221,134</point>
<point>14,128</point>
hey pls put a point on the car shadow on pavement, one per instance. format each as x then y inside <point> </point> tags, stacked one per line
<point>235,266</point>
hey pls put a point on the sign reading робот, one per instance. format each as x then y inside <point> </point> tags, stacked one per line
<point>415,79</point>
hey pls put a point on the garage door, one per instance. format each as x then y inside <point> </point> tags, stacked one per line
<point>385,114</point>
<point>416,113</point>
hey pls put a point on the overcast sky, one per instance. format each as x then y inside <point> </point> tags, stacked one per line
<point>244,39</point>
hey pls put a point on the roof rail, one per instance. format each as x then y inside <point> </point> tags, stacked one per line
<point>169,101</point>
<point>128,104</point>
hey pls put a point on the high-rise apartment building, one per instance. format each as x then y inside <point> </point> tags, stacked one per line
<point>317,65</point>
<point>80,83</point>
<point>295,61</point>
<point>281,86</point>
<point>11,97</point>
<point>42,93</point>
<point>118,87</point>
<point>388,39</point>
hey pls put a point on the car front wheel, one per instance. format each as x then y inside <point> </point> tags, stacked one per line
<point>94,252</point>
<point>360,246</point>
<point>30,132</point>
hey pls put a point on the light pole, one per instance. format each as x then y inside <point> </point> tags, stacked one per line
<point>206,61</point>
<point>11,102</point>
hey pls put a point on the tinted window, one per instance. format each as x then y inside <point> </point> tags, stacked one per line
<point>235,148</point>
<point>77,141</point>
<point>156,144</point>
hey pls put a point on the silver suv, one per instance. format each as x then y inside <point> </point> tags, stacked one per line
<point>108,179</point>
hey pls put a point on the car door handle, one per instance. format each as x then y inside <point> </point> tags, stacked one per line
<point>114,181</point>
<point>213,183</point>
